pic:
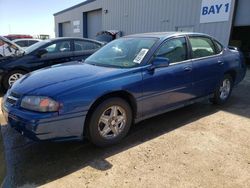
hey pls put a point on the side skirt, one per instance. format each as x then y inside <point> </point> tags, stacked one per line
<point>186,103</point>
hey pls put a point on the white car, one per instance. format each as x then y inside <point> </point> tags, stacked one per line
<point>9,48</point>
<point>24,43</point>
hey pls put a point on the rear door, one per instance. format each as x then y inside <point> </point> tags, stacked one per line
<point>207,65</point>
<point>168,86</point>
<point>84,48</point>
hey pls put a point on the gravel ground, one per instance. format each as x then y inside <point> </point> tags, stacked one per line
<point>201,145</point>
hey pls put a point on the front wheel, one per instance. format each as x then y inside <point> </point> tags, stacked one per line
<point>109,122</point>
<point>12,77</point>
<point>223,91</point>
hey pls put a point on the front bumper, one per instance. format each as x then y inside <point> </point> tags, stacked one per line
<point>45,126</point>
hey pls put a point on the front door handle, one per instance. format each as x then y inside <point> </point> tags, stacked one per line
<point>188,69</point>
<point>220,62</point>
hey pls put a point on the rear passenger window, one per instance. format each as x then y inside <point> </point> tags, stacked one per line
<point>81,45</point>
<point>175,50</point>
<point>202,47</point>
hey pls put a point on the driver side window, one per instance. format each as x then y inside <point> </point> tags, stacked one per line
<point>60,46</point>
<point>174,49</point>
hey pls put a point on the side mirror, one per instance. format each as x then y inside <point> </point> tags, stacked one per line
<point>159,62</point>
<point>41,52</point>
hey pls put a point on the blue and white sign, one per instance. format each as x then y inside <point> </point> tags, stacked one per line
<point>215,10</point>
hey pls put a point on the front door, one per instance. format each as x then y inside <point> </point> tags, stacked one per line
<point>57,52</point>
<point>168,86</point>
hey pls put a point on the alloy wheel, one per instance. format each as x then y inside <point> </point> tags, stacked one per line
<point>225,89</point>
<point>112,122</point>
<point>14,77</point>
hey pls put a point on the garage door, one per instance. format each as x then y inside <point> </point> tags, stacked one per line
<point>242,13</point>
<point>94,23</point>
<point>66,29</point>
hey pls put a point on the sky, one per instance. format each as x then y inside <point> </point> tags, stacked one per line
<point>32,17</point>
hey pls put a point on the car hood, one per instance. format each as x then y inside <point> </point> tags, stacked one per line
<point>60,79</point>
<point>8,59</point>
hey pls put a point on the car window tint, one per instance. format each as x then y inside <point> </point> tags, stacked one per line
<point>31,42</point>
<point>122,53</point>
<point>218,46</point>
<point>175,50</point>
<point>81,45</point>
<point>202,47</point>
<point>22,43</point>
<point>57,47</point>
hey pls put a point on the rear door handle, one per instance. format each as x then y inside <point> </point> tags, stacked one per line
<point>188,69</point>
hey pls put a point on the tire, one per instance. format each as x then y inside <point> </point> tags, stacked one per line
<point>11,75</point>
<point>106,127</point>
<point>222,94</point>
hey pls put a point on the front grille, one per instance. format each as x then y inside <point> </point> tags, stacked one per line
<point>13,98</point>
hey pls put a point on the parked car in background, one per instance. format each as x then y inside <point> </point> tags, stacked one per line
<point>43,54</point>
<point>108,36</point>
<point>128,80</point>
<point>9,48</point>
<point>18,36</point>
<point>24,43</point>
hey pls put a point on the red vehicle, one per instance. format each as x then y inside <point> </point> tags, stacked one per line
<point>17,36</point>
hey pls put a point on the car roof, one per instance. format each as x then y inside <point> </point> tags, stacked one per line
<point>74,38</point>
<point>163,35</point>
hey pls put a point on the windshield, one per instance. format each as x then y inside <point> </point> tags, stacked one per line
<point>35,46</point>
<point>122,53</point>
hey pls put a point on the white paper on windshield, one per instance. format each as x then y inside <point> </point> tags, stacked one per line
<point>138,59</point>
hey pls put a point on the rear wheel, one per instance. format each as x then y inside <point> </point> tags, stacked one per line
<point>12,77</point>
<point>223,91</point>
<point>109,122</point>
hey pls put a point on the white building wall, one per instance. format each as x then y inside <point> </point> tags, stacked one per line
<point>137,16</point>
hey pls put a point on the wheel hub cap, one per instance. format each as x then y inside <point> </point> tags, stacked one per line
<point>225,89</point>
<point>14,77</point>
<point>112,122</point>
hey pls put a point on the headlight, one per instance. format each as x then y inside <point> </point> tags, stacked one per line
<point>40,104</point>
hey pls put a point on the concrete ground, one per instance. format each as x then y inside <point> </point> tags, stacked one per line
<point>201,145</point>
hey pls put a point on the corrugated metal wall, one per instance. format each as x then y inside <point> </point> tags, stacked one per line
<point>136,16</point>
<point>76,14</point>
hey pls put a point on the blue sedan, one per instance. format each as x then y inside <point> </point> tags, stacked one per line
<point>128,80</point>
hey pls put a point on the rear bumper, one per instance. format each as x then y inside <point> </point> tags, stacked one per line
<point>241,74</point>
<point>42,126</point>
